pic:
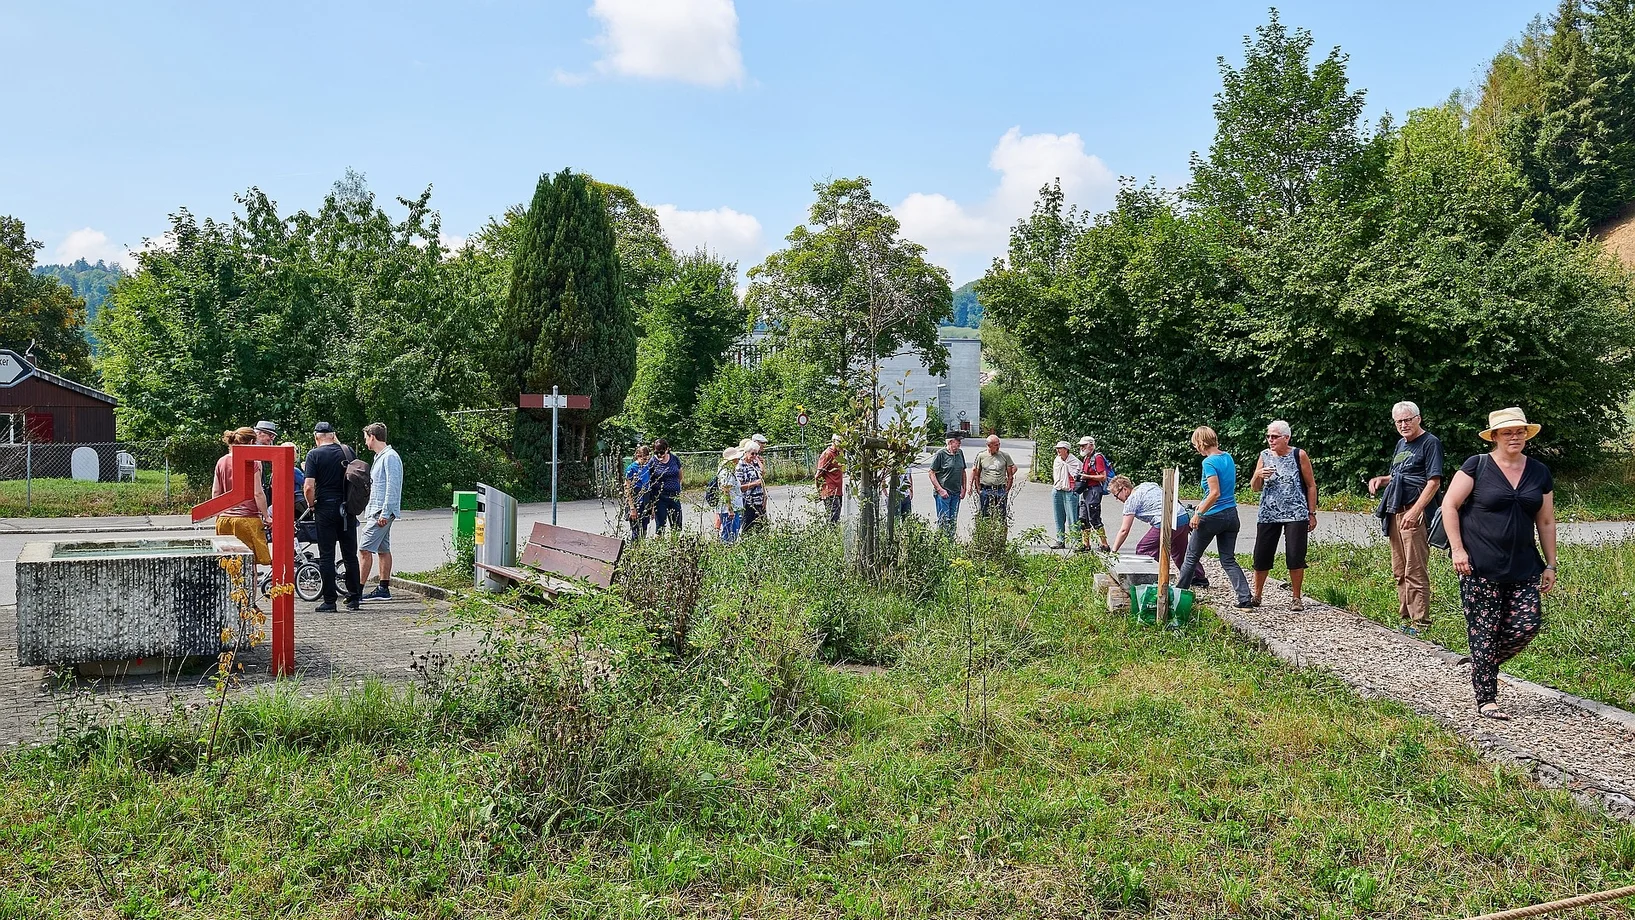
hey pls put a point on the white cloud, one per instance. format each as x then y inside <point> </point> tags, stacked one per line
<point>92,245</point>
<point>964,238</point>
<point>693,41</point>
<point>731,234</point>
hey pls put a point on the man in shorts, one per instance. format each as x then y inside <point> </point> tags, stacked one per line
<point>385,506</point>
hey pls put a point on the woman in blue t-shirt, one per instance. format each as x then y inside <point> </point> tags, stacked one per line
<point>1495,504</point>
<point>1217,516</point>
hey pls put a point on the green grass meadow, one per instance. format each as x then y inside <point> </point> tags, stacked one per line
<point>72,498</point>
<point>703,745</point>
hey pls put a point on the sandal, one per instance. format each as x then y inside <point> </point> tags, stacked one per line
<point>1491,710</point>
<point>1297,605</point>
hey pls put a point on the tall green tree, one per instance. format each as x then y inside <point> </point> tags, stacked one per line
<point>847,287</point>
<point>347,315</point>
<point>847,292</point>
<point>1283,129</point>
<point>39,311</point>
<point>1564,149</point>
<point>567,320</point>
<point>692,318</point>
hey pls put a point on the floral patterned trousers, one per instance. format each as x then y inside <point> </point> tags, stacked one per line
<point>1502,617</point>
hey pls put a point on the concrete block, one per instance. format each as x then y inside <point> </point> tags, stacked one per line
<point>109,600</point>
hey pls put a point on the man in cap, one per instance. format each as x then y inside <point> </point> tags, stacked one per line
<point>948,483</point>
<point>1094,471</point>
<point>326,493</point>
<point>830,477</point>
<point>266,434</point>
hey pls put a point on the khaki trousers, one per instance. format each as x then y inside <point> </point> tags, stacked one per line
<point>1410,559</point>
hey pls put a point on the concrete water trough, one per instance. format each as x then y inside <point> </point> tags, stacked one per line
<point>81,602</point>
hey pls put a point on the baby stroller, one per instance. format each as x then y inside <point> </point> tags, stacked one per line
<point>309,582</point>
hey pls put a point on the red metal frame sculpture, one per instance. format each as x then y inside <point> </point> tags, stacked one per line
<point>283,536</point>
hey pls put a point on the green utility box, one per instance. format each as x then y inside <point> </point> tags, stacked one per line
<point>465,516</point>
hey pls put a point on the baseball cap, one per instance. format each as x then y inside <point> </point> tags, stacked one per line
<point>1086,440</point>
<point>267,426</point>
<point>759,439</point>
<point>1064,445</point>
<point>323,428</point>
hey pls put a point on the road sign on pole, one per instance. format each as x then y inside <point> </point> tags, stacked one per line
<point>803,418</point>
<point>554,401</point>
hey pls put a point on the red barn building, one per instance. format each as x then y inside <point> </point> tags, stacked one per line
<point>42,407</point>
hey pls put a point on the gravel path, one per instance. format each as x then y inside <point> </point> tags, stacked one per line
<point>1585,747</point>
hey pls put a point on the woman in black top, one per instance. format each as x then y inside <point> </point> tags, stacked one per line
<point>1493,507</point>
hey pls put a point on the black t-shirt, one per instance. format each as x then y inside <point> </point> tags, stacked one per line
<point>1413,464</point>
<point>1496,521</point>
<point>326,467</point>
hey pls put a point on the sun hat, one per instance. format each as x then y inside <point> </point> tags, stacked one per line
<point>731,453</point>
<point>1086,440</point>
<point>1063,445</point>
<point>267,426</point>
<point>1512,417</point>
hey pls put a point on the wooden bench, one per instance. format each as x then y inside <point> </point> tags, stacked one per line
<point>559,559</point>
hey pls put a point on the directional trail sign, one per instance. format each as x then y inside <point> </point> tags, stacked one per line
<point>13,368</point>
<point>549,401</point>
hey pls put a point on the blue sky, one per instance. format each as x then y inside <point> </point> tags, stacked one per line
<point>722,116</point>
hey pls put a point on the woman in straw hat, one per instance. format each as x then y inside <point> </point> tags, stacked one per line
<point>729,496</point>
<point>1494,505</point>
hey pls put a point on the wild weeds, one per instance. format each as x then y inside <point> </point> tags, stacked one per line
<point>663,580</point>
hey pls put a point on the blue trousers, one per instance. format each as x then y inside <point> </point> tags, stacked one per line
<point>947,512</point>
<point>1066,504</point>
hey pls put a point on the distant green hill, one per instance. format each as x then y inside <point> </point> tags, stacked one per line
<point>89,282</point>
<point>967,309</point>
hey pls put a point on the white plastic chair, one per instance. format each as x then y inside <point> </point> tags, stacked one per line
<point>127,466</point>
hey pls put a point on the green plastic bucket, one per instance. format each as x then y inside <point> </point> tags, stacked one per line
<point>1144,605</point>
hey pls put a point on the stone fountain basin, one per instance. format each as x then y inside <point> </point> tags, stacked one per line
<point>84,601</point>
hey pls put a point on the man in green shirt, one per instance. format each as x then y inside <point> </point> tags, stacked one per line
<point>992,479</point>
<point>948,482</point>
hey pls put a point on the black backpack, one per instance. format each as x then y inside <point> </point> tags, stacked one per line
<point>358,482</point>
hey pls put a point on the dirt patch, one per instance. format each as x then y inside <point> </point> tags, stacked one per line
<point>1618,235</point>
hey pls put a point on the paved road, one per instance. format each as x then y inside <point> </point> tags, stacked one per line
<point>422,540</point>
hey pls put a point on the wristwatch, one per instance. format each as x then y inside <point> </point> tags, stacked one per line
<point>1551,567</point>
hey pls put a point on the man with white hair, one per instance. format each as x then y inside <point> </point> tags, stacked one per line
<point>1414,480</point>
<point>992,479</point>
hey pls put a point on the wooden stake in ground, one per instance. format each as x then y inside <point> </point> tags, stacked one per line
<point>1164,525</point>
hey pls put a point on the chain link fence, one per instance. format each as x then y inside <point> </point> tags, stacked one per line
<point>112,477</point>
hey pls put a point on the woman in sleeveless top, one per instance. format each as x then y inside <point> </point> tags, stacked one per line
<point>1288,508</point>
<point>1494,506</point>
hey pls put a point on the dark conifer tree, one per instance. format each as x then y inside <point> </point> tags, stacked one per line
<point>567,321</point>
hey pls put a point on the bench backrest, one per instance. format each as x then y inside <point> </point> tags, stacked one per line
<point>573,553</point>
